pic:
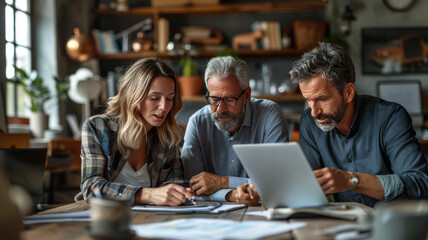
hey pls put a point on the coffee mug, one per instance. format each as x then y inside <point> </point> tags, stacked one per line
<point>110,217</point>
<point>401,220</point>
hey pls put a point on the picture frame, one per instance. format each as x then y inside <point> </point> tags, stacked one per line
<point>394,51</point>
<point>407,93</point>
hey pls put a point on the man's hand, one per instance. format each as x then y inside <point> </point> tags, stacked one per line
<point>207,183</point>
<point>171,195</point>
<point>333,180</point>
<point>242,195</point>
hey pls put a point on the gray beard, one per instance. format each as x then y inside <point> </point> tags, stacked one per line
<point>229,126</point>
<point>335,119</point>
<point>327,126</point>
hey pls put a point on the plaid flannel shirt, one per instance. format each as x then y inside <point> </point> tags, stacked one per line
<point>102,161</point>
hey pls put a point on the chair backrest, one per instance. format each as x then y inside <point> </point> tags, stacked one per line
<point>71,146</point>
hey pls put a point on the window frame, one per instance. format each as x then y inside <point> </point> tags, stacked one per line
<point>16,45</point>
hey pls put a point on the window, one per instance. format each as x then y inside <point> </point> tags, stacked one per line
<point>18,51</point>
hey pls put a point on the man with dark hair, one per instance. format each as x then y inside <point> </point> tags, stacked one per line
<point>362,148</point>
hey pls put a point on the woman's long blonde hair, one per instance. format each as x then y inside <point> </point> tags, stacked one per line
<point>133,88</point>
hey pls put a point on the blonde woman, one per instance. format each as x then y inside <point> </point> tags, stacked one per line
<point>132,151</point>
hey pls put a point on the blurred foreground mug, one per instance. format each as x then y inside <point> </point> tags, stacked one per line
<point>401,220</point>
<point>110,217</point>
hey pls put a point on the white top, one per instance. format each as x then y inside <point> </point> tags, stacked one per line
<point>140,178</point>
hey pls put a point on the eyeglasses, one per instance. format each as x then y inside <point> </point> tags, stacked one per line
<point>229,101</point>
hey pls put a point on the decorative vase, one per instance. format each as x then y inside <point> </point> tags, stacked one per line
<point>191,85</point>
<point>80,47</point>
<point>141,44</point>
<point>39,122</point>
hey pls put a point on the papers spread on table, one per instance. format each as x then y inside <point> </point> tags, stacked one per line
<point>349,231</point>
<point>81,216</point>
<point>201,208</point>
<point>199,228</point>
<point>84,216</point>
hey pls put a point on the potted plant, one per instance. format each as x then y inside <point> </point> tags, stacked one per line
<point>33,85</point>
<point>191,84</point>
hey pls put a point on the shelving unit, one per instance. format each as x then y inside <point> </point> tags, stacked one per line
<point>291,103</point>
<point>201,54</point>
<point>267,7</point>
<point>239,8</point>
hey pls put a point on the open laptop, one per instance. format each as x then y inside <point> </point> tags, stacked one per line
<point>281,175</point>
<point>25,167</point>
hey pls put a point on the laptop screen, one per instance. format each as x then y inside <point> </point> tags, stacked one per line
<point>281,174</point>
<point>25,167</point>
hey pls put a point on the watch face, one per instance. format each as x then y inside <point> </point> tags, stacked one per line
<point>399,5</point>
<point>355,180</point>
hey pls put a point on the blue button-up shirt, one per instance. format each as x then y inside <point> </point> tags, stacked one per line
<point>381,142</point>
<point>206,148</point>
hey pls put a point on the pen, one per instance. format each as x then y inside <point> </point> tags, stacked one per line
<point>250,191</point>
<point>181,181</point>
<point>191,201</point>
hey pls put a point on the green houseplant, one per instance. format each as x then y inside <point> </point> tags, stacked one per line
<point>33,85</point>
<point>191,84</point>
<point>39,94</point>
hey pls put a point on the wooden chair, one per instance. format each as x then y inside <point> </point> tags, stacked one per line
<point>63,158</point>
<point>66,146</point>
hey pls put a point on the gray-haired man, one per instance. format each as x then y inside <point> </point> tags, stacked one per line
<point>232,117</point>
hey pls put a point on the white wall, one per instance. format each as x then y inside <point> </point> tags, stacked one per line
<point>373,13</point>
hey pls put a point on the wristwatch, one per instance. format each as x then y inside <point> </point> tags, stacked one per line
<point>354,180</point>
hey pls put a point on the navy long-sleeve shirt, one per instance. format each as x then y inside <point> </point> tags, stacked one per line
<point>381,142</point>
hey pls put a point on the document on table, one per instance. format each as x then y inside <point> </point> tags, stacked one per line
<point>81,216</point>
<point>263,213</point>
<point>199,228</point>
<point>202,208</point>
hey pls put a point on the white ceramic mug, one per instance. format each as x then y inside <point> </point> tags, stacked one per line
<point>400,220</point>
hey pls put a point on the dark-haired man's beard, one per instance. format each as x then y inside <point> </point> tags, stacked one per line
<point>334,118</point>
<point>230,125</point>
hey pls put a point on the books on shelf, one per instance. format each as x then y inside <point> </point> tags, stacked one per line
<point>271,34</point>
<point>105,42</point>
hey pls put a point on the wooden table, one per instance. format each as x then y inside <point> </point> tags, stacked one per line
<point>77,230</point>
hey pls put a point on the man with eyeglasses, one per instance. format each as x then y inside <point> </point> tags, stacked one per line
<point>232,117</point>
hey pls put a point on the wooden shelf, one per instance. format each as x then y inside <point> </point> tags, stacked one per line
<point>268,7</point>
<point>276,98</point>
<point>202,53</point>
<point>260,7</point>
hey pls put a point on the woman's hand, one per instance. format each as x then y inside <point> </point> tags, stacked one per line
<point>171,195</point>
